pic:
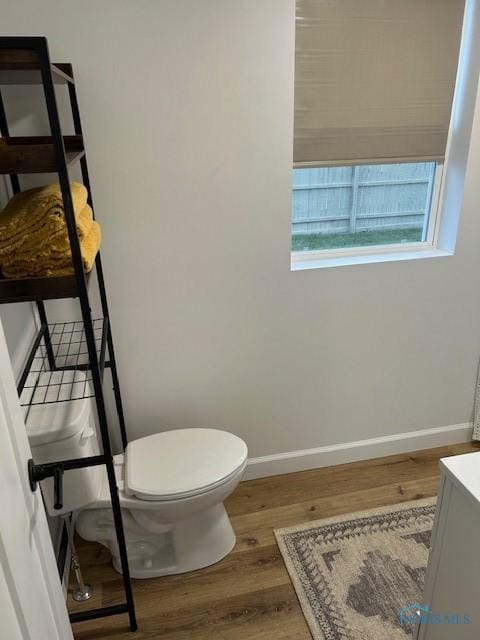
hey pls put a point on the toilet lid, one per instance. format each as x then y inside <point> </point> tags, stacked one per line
<point>182,463</point>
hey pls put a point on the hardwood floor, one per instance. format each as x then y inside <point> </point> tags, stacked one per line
<point>249,595</point>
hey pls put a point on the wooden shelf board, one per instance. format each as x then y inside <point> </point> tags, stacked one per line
<point>32,289</point>
<point>21,66</point>
<point>29,289</point>
<point>35,154</point>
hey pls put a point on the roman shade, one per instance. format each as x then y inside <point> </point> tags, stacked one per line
<point>374,80</point>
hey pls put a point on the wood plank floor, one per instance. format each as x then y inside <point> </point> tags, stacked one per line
<point>249,594</point>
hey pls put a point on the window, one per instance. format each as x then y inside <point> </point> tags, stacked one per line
<point>363,205</point>
<point>374,84</point>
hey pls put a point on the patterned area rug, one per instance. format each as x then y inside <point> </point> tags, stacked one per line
<point>354,574</point>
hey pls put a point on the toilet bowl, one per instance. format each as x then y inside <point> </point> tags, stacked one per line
<point>173,515</point>
<point>171,489</point>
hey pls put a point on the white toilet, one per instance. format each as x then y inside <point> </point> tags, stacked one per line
<point>171,486</point>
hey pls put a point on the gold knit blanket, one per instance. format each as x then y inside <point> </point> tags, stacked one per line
<point>36,215</point>
<point>43,243</point>
<point>54,259</point>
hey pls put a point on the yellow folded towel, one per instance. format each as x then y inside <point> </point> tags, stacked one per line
<point>53,263</point>
<point>39,211</point>
<point>90,246</point>
<point>47,240</point>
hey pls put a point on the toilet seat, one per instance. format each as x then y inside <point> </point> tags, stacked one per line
<point>179,464</point>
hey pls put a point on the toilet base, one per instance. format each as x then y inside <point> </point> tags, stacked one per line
<point>193,543</point>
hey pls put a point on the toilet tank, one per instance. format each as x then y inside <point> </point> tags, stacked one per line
<point>60,431</point>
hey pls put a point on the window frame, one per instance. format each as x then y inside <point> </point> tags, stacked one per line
<point>382,252</point>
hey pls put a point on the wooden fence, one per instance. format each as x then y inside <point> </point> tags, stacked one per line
<point>350,199</point>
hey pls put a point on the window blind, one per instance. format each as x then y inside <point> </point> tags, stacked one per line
<point>374,80</point>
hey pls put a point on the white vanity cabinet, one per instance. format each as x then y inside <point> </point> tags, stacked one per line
<point>452,586</point>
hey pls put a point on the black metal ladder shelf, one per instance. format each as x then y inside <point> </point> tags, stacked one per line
<point>61,350</point>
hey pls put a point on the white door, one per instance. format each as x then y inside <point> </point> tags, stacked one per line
<point>32,605</point>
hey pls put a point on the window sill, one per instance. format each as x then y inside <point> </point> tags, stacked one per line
<point>302,260</point>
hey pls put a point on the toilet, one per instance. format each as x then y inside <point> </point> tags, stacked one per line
<point>171,488</point>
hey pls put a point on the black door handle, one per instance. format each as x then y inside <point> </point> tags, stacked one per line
<point>38,472</point>
<point>58,487</point>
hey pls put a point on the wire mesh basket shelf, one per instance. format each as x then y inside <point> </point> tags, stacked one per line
<point>60,370</point>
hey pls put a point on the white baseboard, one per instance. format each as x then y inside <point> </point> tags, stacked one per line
<point>292,461</point>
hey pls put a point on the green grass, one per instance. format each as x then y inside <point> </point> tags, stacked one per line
<point>314,241</point>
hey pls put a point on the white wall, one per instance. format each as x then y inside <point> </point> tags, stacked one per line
<point>19,326</point>
<point>187,109</point>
